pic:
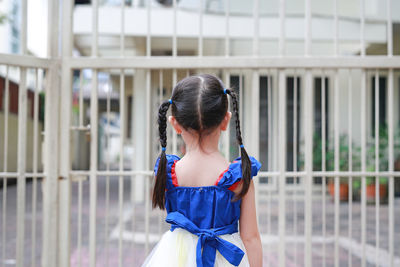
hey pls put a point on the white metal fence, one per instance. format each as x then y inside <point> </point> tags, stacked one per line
<point>94,216</point>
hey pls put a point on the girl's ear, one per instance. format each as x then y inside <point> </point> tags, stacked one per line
<point>175,124</point>
<point>225,121</point>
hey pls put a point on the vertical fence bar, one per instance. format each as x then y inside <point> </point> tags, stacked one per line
<point>200,39</point>
<point>363,167</point>
<point>337,166</point>
<point>308,133</point>
<point>255,133</point>
<point>64,135</point>
<point>174,135</point>
<point>282,37</point>
<point>294,193</point>
<point>21,160</point>
<point>108,108</point>
<point>391,167</point>
<point>270,168</point>
<point>21,183</point>
<point>390,133</point>
<point>93,141</point>
<point>241,105</point>
<point>5,164</point>
<point>227,131</point>
<point>122,132</point>
<point>35,166</point>
<point>51,149</point>
<point>50,185</point>
<point>362,27</point>
<point>121,164</point>
<point>133,177</point>
<point>275,124</point>
<point>323,145</point>
<point>282,167</point>
<point>93,169</point>
<point>377,89</point>
<point>227,28</point>
<point>160,100</point>
<point>148,155</point>
<point>350,160</point>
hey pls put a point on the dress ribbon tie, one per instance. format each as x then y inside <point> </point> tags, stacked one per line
<point>208,242</point>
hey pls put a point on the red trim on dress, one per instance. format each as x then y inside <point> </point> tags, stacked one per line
<point>175,179</point>
<point>173,175</point>
<point>233,187</point>
<point>220,176</point>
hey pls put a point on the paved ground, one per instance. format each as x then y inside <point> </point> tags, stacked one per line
<point>134,251</point>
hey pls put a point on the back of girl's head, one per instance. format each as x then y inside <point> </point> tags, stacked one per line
<point>199,103</point>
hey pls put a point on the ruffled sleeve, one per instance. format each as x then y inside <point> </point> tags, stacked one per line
<point>171,159</point>
<point>234,172</point>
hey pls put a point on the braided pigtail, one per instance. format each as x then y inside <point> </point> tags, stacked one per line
<point>246,164</point>
<point>161,180</point>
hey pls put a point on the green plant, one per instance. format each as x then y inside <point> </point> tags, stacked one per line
<point>383,153</point>
<point>344,149</point>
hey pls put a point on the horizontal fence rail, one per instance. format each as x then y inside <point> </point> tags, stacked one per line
<point>372,62</point>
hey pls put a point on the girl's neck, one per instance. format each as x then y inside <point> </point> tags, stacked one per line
<point>209,143</point>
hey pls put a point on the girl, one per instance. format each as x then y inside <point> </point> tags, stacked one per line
<point>204,195</point>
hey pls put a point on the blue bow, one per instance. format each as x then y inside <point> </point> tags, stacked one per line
<point>208,240</point>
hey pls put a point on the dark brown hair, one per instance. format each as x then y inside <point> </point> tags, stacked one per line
<point>198,103</point>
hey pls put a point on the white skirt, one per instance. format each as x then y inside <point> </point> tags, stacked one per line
<point>178,249</point>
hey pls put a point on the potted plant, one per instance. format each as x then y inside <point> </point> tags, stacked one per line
<point>343,166</point>
<point>330,163</point>
<point>343,188</point>
<point>383,163</point>
<point>371,189</point>
<point>356,164</point>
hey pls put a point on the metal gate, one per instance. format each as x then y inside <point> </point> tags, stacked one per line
<point>98,212</point>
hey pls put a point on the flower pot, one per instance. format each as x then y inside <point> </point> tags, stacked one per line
<point>371,193</point>
<point>343,191</point>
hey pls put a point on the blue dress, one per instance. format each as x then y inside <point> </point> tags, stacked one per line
<point>204,221</point>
